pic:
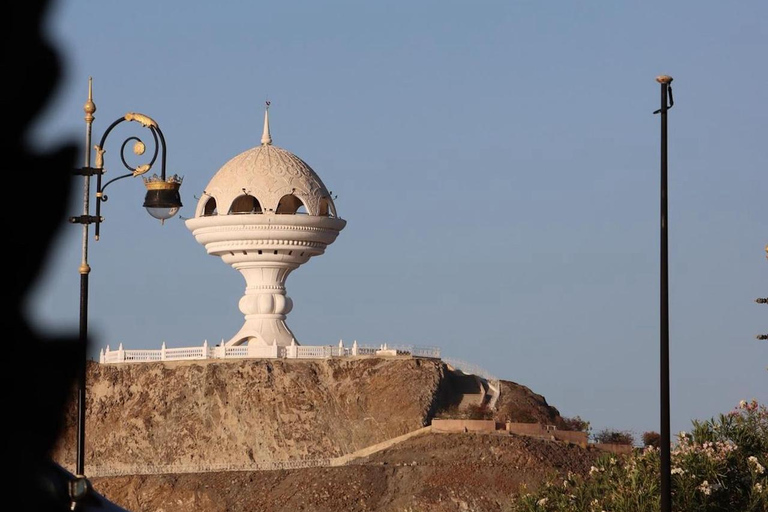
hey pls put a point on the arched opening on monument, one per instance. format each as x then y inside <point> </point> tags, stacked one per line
<point>257,341</point>
<point>210,207</point>
<point>290,204</point>
<point>327,208</point>
<point>245,204</point>
<point>242,341</point>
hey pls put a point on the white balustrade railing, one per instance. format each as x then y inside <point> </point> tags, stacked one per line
<point>181,353</point>
<point>433,352</point>
<point>303,352</point>
<point>139,355</point>
<point>240,351</point>
<point>111,357</point>
<point>293,351</point>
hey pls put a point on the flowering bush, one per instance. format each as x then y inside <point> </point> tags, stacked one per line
<point>720,466</point>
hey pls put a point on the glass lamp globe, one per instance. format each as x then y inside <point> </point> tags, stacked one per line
<point>162,200</point>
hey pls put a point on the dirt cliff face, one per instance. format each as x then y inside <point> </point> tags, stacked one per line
<point>430,473</point>
<point>230,412</point>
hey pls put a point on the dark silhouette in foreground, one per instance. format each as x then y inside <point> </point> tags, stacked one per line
<point>38,186</point>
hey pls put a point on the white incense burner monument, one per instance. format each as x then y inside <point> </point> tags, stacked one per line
<point>265,213</point>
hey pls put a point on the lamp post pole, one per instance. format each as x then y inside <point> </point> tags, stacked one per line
<point>763,300</point>
<point>162,201</point>
<point>85,270</point>
<point>665,466</point>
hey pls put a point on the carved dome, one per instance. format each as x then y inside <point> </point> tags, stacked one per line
<point>266,180</point>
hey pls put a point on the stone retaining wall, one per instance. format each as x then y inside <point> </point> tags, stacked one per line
<point>526,429</point>
<point>447,425</point>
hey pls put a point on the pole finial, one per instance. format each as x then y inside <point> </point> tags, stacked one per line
<point>664,79</point>
<point>266,137</point>
<point>90,106</point>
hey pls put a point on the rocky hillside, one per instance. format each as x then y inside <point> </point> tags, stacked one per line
<point>249,410</point>
<point>517,403</point>
<point>200,414</point>
<point>240,411</point>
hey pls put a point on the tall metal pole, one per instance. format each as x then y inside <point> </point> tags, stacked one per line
<point>763,300</point>
<point>666,480</point>
<point>85,270</point>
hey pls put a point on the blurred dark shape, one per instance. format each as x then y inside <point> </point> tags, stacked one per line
<point>40,369</point>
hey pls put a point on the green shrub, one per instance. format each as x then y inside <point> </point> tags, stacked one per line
<point>576,424</point>
<point>652,439</point>
<point>720,466</point>
<point>614,437</point>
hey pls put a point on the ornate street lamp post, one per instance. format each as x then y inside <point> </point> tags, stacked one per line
<point>666,475</point>
<point>162,202</point>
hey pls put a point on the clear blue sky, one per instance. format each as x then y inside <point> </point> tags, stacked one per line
<point>498,166</point>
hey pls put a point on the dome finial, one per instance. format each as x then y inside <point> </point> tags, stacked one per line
<point>266,138</point>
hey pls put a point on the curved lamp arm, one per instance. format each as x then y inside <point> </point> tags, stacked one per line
<point>162,200</point>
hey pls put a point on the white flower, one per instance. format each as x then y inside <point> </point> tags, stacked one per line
<point>752,461</point>
<point>593,470</point>
<point>705,488</point>
<point>542,502</point>
<point>758,487</point>
<point>743,404</point>
<point>677,471</point>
